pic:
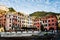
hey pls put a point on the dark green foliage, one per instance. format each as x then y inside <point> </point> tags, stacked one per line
<point>11,9</point>
<point>19,13</point>
<point>42,14</point>
<point>42,28</point>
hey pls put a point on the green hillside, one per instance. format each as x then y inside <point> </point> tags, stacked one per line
<point>42,14</point>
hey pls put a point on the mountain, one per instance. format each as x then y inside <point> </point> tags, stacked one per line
<point>42,14</point>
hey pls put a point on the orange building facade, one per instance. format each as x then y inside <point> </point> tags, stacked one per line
<point>2,20</point>
<point>37,23</point>
<point>14,21</point>
<point>48,22</point>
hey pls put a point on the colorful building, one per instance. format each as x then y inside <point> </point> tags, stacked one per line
<point>27,22</point>
<point>30,22</point>
<point>48,22</point>
<point>3,12</point>
<point>37,23</point>
<point>14,21</point>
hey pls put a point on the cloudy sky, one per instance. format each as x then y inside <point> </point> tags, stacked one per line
<point>30,6</point>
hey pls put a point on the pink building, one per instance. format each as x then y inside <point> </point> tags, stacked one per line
<point>48,22</point>
<point>37,23</point>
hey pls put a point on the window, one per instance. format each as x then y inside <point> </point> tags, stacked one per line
<point>10,19</point>
<point>37,23</point>
<point>45,25</point>
<point>15,19</point>
<point>13,16</point>
<point>23,21</point>
<point>15,24</point>
<point>52,20</point>
<point>48,20</point>
<point>0,16</point>
<point>43,21</point>
<point>4,19</point>
<point>28,22</point>
<point>40,19</point>
<point>52,16</point>
<point>34,23</point>
<point>18,20</point>
<point>0,20</point>
<point>5,15</point>
<point>9,15</point>
<point>30,25</point>
<point>48,17</point>
<point>10,25</point>
<point>23,25</point>
<point>37,26</point>
<point>59,18</point>
<point>0,25</point>
<point>18,17</point>
<point>4,22</point>
<point>52,23</point>
<point>18,25</point>
<point>34,20</point>
<point>3,25</point>
<point>49,24</point>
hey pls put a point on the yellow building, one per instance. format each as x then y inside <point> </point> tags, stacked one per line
<point>25,21</point>
<point>3,7</point>
<point>58,18</point>
<point>1,29</point>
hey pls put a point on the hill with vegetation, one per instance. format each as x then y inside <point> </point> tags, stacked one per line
<point>42,14</point>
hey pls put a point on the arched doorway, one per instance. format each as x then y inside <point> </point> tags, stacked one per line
<point>45,29</point>
<point>51,29</point>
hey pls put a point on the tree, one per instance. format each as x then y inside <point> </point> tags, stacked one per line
<point>11,10</point>
<point>42,14</point>
<point>42,28</point>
